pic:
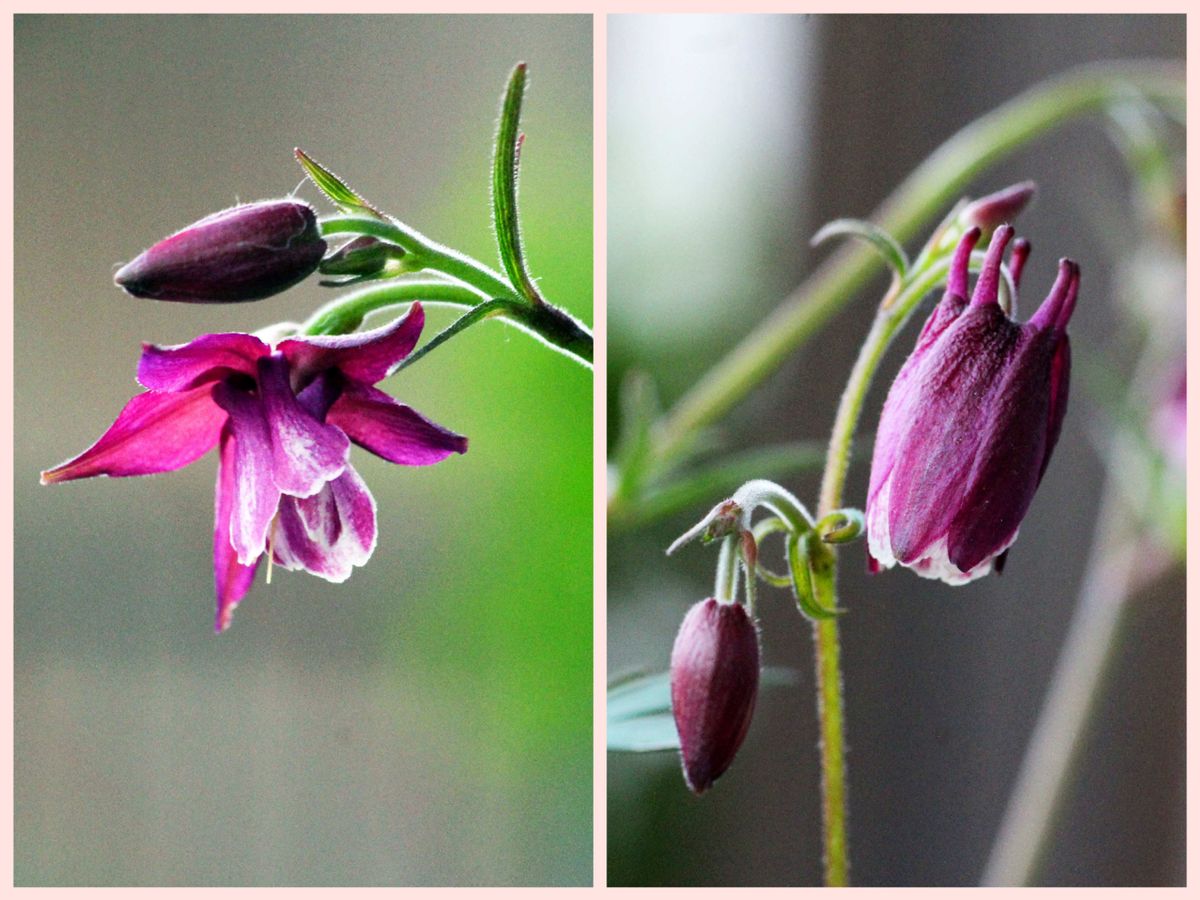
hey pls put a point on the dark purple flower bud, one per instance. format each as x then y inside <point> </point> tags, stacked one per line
<point>994,210</point>
<point>247,252</point>
<point>969,425</point>
<point>714,683</point>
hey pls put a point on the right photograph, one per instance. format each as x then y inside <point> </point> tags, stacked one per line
<point>897,416</point>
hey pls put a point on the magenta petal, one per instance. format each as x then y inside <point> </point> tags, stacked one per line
<point>329,533</point>
<point>1060,381</point>
<point>307,452</point>
<point>231,578</point>
<point>392,430</point>
<point>208,358</point>
<point>1006,468</point>
<point>253,493</point>
<point>368,356</point>
<point>957,382</point>
<point>155,432</point>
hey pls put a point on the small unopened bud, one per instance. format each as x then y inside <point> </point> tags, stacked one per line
<point>997,209</point>
<point>247,252</point>
<point>364,256</point>
<point>714,683</point>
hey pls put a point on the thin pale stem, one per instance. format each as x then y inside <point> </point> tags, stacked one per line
<point>892,314</point>
<point>1091,639</point>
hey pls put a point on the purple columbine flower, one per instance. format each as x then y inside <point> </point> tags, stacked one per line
<point>714,683</point>
<point>283,417</point>
<point>247,252</point>
<point>969,425</point>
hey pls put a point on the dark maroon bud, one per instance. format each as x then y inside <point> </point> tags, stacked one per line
<point>247,252</point>
<point>714,683</point>
<point>969,424</point>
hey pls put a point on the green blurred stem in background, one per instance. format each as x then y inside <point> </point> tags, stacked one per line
<point>933,185</point>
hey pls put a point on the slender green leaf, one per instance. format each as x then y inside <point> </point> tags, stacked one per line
<point>505,169</point>
<point>340,193</point>
<point>891,251</point>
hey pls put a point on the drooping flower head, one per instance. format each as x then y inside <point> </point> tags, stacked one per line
<point>284,417</point>
<point>246,252</point>
<point>969,424</point>
<point>714,684</point>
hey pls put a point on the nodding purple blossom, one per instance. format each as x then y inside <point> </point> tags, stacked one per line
<point>969,424</point>
<point>247,252</point>
<point>714,683</point>
<point>283,417</point>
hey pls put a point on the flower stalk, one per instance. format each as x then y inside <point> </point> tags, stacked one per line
<point>553,326</point>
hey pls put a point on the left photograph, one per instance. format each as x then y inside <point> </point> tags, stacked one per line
<point>339,631</point>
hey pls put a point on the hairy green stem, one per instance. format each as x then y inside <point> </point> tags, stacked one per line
<point>935,183</point>
<point>830,715</point>
<point>555,327</point>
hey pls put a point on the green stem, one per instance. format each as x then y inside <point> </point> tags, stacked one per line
<point>891,316</point>
<point>346,314</point>
<point>553,326</point>
<point>831,717</point>
<point>935,183</point>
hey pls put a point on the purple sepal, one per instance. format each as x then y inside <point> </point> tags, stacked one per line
<point>231,578</point>
<point>155,432</point>
<point>368,356</point>
<point>391,430</point>
<point>714,685</point>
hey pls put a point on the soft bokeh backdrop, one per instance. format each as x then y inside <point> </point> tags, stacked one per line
<point>731,140</point>
<point>429,721</point>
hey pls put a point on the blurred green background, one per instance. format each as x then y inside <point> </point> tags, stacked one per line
<point>731,140</point>
<point>429,721</point>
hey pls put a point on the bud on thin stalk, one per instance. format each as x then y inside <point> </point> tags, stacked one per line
<point>714,685</point>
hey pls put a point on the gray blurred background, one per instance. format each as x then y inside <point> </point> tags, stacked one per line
<point>731,140</point>
<point>429,721</point>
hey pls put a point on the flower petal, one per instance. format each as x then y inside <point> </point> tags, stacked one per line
<point>307,452</point>
<point>231,578</point>
<point>208,358</point>
<point>1012,445</point>
<point>254,496</point>
<point>155,432</point>
<point>391,430</point>
<point>329,533</point>
<point>958,382</point>
<point>367,356</point>
<point>1060,380</point>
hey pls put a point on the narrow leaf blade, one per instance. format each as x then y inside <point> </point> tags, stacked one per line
<point>340,193</point>
<point>505,170</point>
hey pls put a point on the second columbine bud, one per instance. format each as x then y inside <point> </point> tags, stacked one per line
<point>247,252</point>
<point>714,684</point>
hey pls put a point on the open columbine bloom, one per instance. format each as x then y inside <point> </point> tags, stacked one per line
<point>283,417</point>
<point>969,424</point>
